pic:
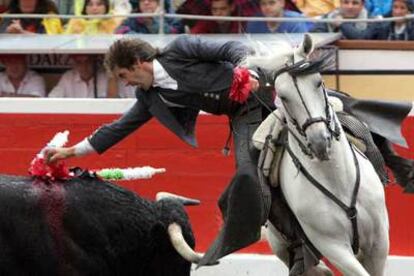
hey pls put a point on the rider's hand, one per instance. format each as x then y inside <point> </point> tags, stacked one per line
<point>254,84</point>
<point>54,154</point>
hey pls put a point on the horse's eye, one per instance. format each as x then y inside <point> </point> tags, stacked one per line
<point>319,84</point>
<point>283,98</point>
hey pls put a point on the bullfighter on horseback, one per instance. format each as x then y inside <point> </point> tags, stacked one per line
<point>174,83</point>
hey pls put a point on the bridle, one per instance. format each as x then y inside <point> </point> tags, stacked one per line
<point>295,70</point>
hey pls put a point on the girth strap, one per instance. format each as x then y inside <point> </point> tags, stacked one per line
<point>350,211</point>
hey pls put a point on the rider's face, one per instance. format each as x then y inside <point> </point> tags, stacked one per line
<point>141,75</point>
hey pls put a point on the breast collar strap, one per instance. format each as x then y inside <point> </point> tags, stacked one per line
<point>350,210</point>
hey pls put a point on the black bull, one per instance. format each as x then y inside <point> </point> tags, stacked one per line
<point>86,226</point>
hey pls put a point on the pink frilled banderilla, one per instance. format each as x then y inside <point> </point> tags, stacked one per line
<point>55,171</point>
<point>58,170</point>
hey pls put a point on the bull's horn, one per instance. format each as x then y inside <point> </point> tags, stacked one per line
<point>184,200</point>
<point>180,245</point>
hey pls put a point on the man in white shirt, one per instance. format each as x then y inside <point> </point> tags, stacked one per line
<point>18,81</point>
<point>80,81</point>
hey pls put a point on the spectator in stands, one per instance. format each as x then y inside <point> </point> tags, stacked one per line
<point>18,81</point>
<point>83,80</point>
<point>32,25</point>
<point>4,5</point>
<point>117,6</point>
<point>378,7</point>
<point>348,9</point>
<point>312,8</point>
<point>402,29</point>
<point>92,26</point>
<point>219,8</point>
<point>276,9</point>
<point>149,25</point>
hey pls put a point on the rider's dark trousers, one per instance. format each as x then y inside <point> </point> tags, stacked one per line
<point>244,205</point>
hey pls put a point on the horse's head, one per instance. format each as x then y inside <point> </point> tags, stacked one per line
<point>302,95</point>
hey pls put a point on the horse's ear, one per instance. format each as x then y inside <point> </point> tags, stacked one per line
<point>307,46</point>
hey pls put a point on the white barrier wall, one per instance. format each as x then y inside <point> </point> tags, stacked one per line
<point>268,265</point>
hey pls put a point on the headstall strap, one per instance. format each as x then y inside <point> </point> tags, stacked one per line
<point>289,68</point>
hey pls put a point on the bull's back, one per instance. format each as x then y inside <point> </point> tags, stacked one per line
<point>85,226</point>
<point>80,226</point>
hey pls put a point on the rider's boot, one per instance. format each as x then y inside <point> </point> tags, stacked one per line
<point>301,258</point>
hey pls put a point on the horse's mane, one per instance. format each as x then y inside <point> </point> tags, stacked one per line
<point>267,57</point>
<point>275,57</point>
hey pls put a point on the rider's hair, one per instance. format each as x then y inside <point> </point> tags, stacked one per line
<point>125,52</point>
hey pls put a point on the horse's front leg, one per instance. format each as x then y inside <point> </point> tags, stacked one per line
<point>375,261</point>
<point>338,251</point>
<point>374,255</point>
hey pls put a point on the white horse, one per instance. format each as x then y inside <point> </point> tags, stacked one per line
<point>319,154</point>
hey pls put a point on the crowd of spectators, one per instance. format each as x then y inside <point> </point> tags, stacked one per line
<point>84,81</point>
<point>269,9</point>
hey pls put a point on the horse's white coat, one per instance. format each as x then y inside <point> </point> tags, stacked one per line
<point>326,225</point>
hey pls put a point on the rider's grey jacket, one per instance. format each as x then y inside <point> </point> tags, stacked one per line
<point>204,73</point>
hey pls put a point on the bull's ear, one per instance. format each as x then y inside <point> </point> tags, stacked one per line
<point>307,46</point>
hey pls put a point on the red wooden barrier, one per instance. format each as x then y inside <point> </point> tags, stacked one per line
<point>200,173</point>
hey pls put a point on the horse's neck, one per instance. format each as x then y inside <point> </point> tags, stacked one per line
<point>340,169</point>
